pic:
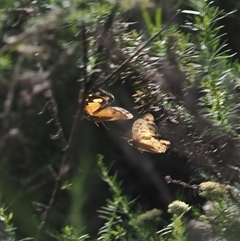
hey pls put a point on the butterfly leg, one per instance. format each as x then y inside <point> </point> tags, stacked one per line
<point>96,124</point>
<point>104,125</point>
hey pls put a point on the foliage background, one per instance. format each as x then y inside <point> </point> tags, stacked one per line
<point>42,49</point>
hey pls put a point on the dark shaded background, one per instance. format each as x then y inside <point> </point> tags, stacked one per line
<point>30,158</point>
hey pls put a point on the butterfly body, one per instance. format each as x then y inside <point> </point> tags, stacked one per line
<point>145,136</point>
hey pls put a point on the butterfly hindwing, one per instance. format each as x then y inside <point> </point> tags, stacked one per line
<point>111,114</point>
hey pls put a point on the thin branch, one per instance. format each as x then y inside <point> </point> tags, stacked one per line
<point>85,51</point>
<point>52,106</point>
<point>11,91</point>
<point>169,180</point>
<point>49,22</point>
<point>68,147</point>
<point>59,175</point>
<point>137,51</point>
<point>20,10</point>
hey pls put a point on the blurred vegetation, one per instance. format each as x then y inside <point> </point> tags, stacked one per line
<point>65,178</point>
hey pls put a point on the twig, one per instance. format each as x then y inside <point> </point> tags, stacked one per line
<point>59,175</point>
<point>169,180</point>
<point>49,22</point>
<point>11,91</point>
<point>24,10</point>
<point>137,51</point>
<point>16,39</point>
<point>85,51</point>
<point>67,149</point>
<point>52,105</point>
<point>103,47</point>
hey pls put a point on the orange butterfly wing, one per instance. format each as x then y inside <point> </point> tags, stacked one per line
<point>97,108</point>
<point>94,106</point>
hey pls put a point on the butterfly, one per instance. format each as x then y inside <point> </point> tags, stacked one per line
<point>98,109</point>
<point>145,136</point>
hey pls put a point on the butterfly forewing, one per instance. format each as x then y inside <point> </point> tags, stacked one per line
<point>140,130</point>
<point>151,124</point>
<point>97,100</point>
<point>92,107</point>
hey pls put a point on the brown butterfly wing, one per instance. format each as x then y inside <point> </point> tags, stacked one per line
<point>148,117</point>
<point>111,114</point>
<point>140,130</point>
<point>154,145</point>
<point>151,125</point>
<point>144,132</point>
